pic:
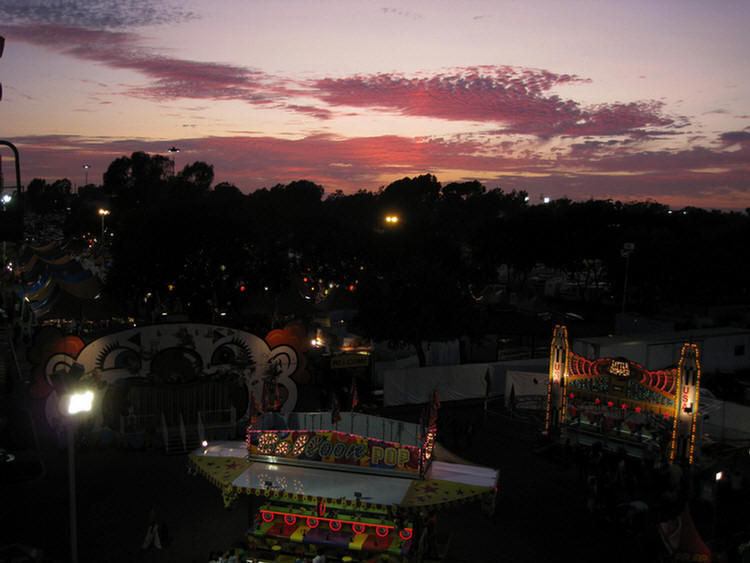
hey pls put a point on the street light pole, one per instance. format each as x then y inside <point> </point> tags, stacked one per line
<point>627,250</point>
<point>86,174</point>
<point>5,199</point>
<point>172,151</point>
<point>103,213</point>
<point>77,403</point>
<point>72,490</point>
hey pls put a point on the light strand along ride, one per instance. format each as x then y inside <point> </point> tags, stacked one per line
<point>357,489</point>
<point>622,404</point>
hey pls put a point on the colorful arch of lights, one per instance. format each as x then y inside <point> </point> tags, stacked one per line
<point>617,398</point>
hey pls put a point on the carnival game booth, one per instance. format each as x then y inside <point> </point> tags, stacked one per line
<point>623,405</point>
<point>357,489</point>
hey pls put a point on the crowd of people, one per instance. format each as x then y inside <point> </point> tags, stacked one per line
<point>637,494</point>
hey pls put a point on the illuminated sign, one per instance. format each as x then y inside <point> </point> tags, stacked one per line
<point>619,368</point>
<point>333,447</point>
<point>350,361</point>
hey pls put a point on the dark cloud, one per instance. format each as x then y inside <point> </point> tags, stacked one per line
<point>317,112</point>
<point>401,13</point>
<point>171,78</point>
<point>733,137</point>
<point>93,14</point>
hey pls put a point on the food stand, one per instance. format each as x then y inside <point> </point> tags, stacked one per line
<point>358,489</point>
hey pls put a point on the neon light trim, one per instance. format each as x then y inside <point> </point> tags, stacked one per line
<point>334,523</point>
<point>405,534</point>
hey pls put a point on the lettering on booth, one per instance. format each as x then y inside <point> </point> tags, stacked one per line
<point>326,447</point>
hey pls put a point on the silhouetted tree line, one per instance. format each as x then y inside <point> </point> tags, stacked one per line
<point>216,249</point>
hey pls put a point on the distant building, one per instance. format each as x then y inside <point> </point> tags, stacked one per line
<point>721,349</point>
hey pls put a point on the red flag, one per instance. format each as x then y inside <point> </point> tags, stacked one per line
<point>353,392</point>
<point>276,398</point>
<point>434,406</point>
<point>335,414</point>
<point>271,397</point>
<point>266,399</point>
<point>254,410</point>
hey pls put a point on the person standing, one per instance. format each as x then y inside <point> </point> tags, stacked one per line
<point>152,532</point>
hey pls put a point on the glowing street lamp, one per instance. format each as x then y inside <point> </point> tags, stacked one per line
<point>78,404</point>
<point>86,173</point>
<point>392,219</point>
<point>103,213</point>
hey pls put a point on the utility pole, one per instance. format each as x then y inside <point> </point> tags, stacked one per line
<point>625,252</point>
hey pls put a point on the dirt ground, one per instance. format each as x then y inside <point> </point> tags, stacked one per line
<point>541,513</point>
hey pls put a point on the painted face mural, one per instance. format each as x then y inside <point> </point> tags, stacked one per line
<point>179,353</point>
<point>52,358</point>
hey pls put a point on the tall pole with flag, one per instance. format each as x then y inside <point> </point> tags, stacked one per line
<point>335,409</point>
<point>434,406</point>
<point>254,410</point>
<point>353,393</point>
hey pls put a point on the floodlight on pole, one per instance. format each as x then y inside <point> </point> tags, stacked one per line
<point>80,402</point>
<point>86,167</point>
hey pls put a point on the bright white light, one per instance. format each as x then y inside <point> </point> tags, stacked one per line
<point>546,199</point>
<point>719,476</point>
<point>6,198</point>
<point>80,402</point>
<point>204,443</point>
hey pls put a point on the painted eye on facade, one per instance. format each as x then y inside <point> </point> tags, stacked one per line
<point>114,356</point>
<point>233,352</point>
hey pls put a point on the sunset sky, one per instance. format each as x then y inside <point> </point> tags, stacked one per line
<point>626,100</point>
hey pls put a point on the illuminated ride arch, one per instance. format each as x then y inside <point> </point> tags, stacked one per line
<point>622,404</point>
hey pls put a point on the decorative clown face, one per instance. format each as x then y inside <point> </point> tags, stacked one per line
<point>181,353</point>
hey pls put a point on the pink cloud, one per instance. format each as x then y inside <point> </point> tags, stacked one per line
<point>518,98</point>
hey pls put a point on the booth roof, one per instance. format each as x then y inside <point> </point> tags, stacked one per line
<point>223,464</point>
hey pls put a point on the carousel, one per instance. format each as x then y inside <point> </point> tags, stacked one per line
<point>355,487</point>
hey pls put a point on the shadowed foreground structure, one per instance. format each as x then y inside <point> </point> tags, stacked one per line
<point>541,506</point>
